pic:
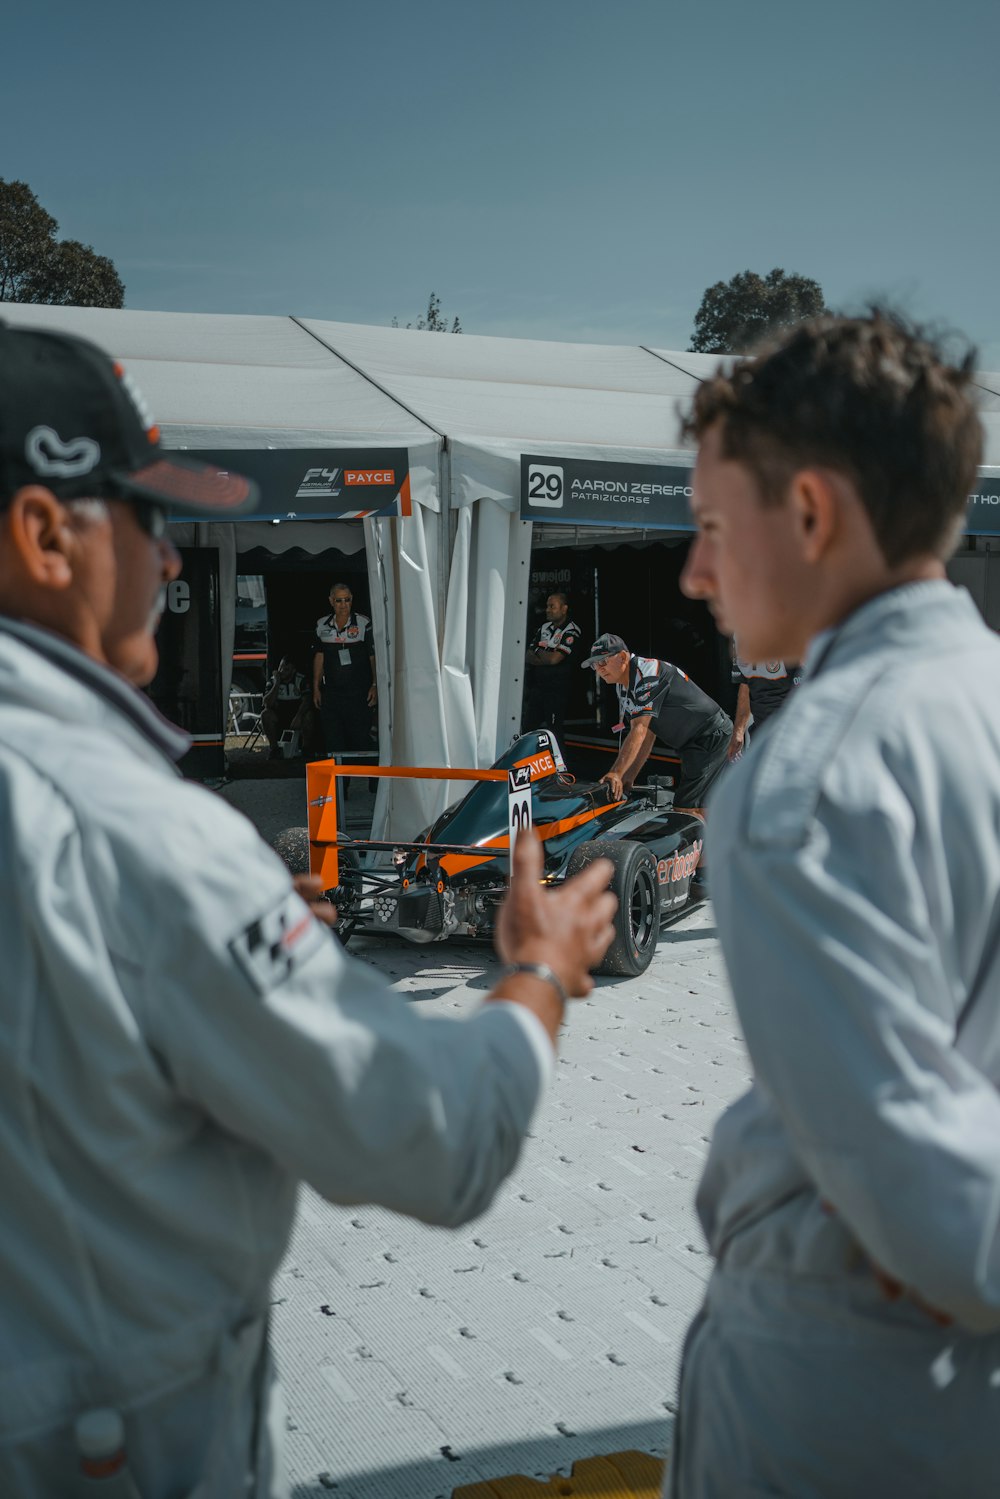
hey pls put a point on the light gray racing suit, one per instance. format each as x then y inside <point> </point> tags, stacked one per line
<point>180,1043</point>
<point>855,866</point>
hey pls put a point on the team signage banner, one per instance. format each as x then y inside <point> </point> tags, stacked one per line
<point>983,517</point>
<point>595,492</point>
<point>317,483</point>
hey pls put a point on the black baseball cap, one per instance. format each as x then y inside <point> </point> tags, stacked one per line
<point>603,648</point>
<point>72,420</point>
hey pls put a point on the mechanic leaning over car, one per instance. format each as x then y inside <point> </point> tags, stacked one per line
<point>849,1344</point>
<point>656,700</point>
<point>182,1040</point>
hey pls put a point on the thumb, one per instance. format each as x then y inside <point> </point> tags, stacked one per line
<point>526,860</point>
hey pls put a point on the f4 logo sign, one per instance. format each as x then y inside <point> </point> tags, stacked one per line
<point>318,483</point>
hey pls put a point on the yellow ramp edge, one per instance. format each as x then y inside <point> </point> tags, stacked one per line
<point>620,1475</point>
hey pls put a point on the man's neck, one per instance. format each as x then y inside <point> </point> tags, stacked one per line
<point>916,570</point>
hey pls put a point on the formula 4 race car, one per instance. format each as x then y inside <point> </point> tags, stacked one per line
<point>450,880</point>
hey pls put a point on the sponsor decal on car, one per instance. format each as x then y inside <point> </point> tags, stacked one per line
<point>540,766</point>
<point>677,867</point>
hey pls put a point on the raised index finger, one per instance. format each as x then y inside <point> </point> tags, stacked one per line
<point>526,859</point>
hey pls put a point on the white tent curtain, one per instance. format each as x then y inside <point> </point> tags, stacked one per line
<point>483,655</point>
<point>455,673</point>
<point>403,568</point>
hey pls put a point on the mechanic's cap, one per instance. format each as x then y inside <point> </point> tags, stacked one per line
<point>604,647</point>
<point>71,419</point>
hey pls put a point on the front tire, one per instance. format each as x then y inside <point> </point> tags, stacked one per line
<point>637,920</point>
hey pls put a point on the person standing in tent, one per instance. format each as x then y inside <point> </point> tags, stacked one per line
<point>548,663</point>
<point>344,687</point>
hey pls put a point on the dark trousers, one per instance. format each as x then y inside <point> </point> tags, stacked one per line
<point>701,760</point>
<point>545,702</point>
<point>347,721</point>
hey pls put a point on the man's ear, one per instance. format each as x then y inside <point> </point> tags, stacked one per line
<point>814,498</point>
<point>40,537</point>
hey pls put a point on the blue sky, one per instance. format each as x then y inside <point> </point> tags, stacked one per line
<point>554,169</point>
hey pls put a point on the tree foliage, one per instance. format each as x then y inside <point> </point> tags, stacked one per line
<point>433,321</point>
<point>735,315</point>
<point>37,267</point>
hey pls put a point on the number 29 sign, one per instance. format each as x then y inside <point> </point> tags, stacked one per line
<point>518,802</point>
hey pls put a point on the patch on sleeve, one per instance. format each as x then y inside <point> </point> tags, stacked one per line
<point>275,944</point>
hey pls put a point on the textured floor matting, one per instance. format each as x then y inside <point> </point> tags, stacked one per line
<point>417,1361</point>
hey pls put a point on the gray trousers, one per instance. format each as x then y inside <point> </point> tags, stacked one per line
<point>818,1388</point>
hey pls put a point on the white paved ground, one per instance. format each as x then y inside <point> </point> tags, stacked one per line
<point>417,1360</point>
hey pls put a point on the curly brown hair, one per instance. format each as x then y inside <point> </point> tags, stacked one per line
<point>873,398</point>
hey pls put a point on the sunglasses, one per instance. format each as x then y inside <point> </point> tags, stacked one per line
<point>151,518</point>
<point>343,599</point>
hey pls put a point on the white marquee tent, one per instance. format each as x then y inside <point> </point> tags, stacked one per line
<point>448,583</point>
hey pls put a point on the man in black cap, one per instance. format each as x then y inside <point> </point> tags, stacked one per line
<point>656,700</point>
<point>181,1042</point>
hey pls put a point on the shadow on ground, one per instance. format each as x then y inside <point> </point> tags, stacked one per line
<point>696,934</point>
<point>539,1459</point>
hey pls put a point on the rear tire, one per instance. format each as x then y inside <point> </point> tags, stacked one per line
<point>637,920</point>
<point>292,847</point>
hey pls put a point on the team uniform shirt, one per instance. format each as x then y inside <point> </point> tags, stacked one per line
<point>856,885</point>
<point>562,638</point>
<point>182,1043</point>
<point>556,676</point>
<point>346,652</point>
<point>677,707</point>
<point>769,683</point>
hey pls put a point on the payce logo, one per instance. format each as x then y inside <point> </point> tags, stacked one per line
<point>545,486</point>
<point>369,476</point>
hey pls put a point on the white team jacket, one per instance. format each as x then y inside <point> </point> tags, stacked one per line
<point>181,1043</point>
<point>855,860</point>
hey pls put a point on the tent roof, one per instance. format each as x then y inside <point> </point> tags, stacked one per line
<point>519,389</point>
<point>284,381</point>
<point>205,374</point>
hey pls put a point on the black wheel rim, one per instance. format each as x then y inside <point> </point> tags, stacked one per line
<point>644,912</point>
